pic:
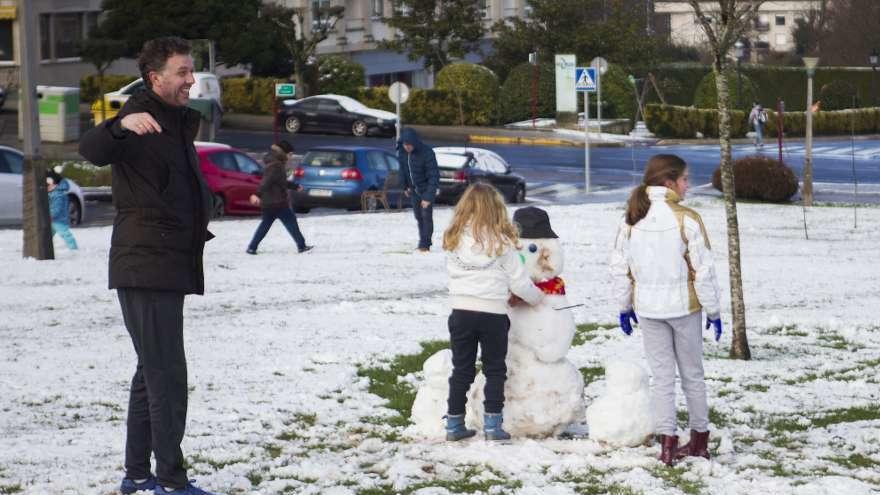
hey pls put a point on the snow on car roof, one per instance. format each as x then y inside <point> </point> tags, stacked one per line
<point>451,160</point>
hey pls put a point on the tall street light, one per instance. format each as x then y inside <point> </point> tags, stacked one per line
<point>739,52</point>
<point>873,59</point>
<point>810,64</point>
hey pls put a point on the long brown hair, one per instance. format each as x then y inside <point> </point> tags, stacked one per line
<point>660,169</point>
<point>482,210</point>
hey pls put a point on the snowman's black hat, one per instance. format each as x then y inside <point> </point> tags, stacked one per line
<point>533,223</point>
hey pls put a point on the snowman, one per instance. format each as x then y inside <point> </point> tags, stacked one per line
<point>544,390</point>
<point>622,416</point>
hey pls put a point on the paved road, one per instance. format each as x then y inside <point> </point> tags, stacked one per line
<point>556,174</point>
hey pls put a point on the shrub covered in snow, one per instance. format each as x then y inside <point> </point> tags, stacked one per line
<point>339,75</point>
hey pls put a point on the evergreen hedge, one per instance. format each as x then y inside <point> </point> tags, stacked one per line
<point>515,98</point>
<point>461,77</point>
<point>675,121</point>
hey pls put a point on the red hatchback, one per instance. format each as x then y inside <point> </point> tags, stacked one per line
<point>232,176</point>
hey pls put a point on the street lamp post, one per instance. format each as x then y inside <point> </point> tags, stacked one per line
<point>810,64</point>
<point>873,59</point>
<point>738,52</point>
<point>533,60</point>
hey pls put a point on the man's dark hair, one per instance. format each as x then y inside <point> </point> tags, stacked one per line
<point>156,52</point>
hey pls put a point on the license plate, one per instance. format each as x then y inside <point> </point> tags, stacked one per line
<point>321,193</point>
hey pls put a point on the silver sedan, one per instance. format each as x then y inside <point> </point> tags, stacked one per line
<point>11,165</point>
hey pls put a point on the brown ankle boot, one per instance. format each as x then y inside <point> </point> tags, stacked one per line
<point>668,449</point>
<point>697,446</point>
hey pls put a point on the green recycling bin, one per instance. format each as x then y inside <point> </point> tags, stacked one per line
<point>59,113</point>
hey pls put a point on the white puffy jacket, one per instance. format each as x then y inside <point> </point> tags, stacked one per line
<point>479,282</point>
<point>649,263</point>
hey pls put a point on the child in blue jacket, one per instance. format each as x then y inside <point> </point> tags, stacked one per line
<point>59,206</point>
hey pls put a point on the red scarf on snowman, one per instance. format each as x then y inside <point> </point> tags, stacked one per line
<point>553,286</point>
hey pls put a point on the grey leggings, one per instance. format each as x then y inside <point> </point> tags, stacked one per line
<point>670,343</point>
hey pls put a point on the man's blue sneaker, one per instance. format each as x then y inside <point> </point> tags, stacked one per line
<point>189,489</point>
<point>129,485</point>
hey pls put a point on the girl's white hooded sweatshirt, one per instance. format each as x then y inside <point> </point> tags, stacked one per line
<point>479,282</point>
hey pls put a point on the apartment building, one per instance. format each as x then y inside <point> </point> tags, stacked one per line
<point>772,31</point>
<point>61,26</point>
<point>358,33</point>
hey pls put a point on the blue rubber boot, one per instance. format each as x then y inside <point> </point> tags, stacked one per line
<point>492,427</point>
<point>455,428</point>
<point>189,489</point>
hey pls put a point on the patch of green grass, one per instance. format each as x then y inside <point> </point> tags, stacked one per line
<point>675,477</point>
<point>472,479</point>
<point>833,341</point>
<point>854,461</point>
<point>590,482</point>
<point>716,417</point>
<point>9,489</point>
<point>379,490</point>
<point>849,415</point>
<point>274,451</point>
<point>217,465</point>
<point>305,419</point>
<point>757,387</point>
<point>385,383</point>
<point>289,436</point>
<point>586,332</point>
<point>255,478</point>
<point>591,374</point>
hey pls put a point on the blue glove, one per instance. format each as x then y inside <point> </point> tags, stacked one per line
<point>714,323</point>
<point>625,324</point>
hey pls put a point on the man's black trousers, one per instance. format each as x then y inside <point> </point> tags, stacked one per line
<point>158,400</point>
<point>466,330</point>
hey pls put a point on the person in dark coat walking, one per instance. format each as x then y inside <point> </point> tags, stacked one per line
<point>421,176</point>
<point>163,206</point>
<point>272,198</point>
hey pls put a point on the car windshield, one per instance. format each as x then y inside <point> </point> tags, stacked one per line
<point>351,104</point>
<point>445,160</point>
<point>328,158</point>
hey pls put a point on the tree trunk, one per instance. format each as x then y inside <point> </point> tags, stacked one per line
<point>299,68</point>
<point>37,228</point>
<point>739,347</point>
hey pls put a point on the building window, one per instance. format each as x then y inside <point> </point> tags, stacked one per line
<point>6,48</point>
<point>62,34</point>
<point>780,20</point>
<point>483,5</point>
<point>663,26</point>
<point>781,39</point>
<point>319,20</point>
<point>763,22</point>
<point>377,8</point>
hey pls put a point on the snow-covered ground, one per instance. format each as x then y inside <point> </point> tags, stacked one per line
<point>276,405</point>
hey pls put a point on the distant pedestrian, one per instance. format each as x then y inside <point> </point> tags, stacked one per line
<point>271,197</point>
<point>59,207</point>
<point>163,206</point>
<point>757,119</point>
<point>421,177</point>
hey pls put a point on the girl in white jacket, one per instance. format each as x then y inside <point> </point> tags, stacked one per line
<point>484,268</point>
<point>663,272</point>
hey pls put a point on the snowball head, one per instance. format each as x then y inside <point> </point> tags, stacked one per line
<point>542,257</point>
<point>430,403</point>
<point>625,377</point>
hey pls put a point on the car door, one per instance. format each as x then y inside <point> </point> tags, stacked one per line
<point>500,175</point>
<point>10,187</point>
<point>395,191</point>
<point>332,116</point>
<point>307,113</point>
<point>234,187</point>
<point>251,174</point>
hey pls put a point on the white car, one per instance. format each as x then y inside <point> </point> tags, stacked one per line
<point>11,165</point>
<point>206,86</point>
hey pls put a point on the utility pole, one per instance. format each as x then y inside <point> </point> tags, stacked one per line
<point>37,227</point>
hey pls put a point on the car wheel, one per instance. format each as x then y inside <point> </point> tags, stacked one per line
<point>359,128</point>
<point>301,209</point>
<point>292,124</point>
<point>519,194</point>
<point>219,207</point>
<point>74,210</point>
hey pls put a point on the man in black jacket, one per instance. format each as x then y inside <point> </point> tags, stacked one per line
<point>162,211</point>
<point>421,177</point>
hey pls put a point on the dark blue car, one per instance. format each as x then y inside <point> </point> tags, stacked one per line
<point>337,177</point>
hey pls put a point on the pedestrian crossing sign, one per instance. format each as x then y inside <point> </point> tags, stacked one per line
<point>585,79</point>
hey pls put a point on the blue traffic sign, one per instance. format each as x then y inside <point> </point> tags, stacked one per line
<point>585,79</point>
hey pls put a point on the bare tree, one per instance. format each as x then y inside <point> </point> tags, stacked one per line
<point>724,22</point>
<point>300,38</point>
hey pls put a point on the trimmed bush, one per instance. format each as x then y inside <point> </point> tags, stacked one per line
<point>706,95</point>
<point>838,95</point>
<point>424,106</point>
<point>377,97</point>
<point>89,90</point>
<point>339,75</point>
<point>685,122</point>
<point>84,173</point>
<point>248,94</point>
<point>760,178</point>
<point>482,83</point>
<point>618,95</point>
<point>515,98</point>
